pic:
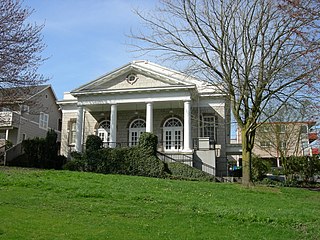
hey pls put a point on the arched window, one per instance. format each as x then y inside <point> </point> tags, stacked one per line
<point>173,134</point>
<point>103,131</point>
<point>137,127</point>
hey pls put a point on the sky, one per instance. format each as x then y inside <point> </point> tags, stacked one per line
<point>85,38</point>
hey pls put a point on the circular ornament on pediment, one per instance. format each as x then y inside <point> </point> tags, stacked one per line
<point>131,78</point>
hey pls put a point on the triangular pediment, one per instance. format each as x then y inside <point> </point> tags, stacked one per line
<point>137,75</point>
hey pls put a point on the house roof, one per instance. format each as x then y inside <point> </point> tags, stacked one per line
<point>164,78</point>
<point>309,123</point>
<point>22,94</point>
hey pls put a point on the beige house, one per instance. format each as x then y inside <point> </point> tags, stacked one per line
<point>26,113</point>
<point>282,139</point>
<point>189,116</point>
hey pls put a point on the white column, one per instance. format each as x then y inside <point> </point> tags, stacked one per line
<point>79,129</point>
<point>187,126</point>
<point>113,126</point>
<point>7,134</point>
<point>149,116</point>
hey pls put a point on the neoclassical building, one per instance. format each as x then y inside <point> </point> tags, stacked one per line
<point>190,117</point>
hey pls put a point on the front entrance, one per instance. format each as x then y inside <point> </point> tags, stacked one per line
<point>137,127</point>
<point>172,134</point>
<point>104,132</point>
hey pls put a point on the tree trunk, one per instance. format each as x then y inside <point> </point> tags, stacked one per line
<point>246,159</point>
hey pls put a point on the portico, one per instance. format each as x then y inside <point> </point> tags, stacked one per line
<point>179,109</point>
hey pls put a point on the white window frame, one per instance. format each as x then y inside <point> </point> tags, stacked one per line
<point>103,131</point>
<point>72,130</point>
<point>173,135</point>
<point>43,120</point>
<point>209,126</point>
<point>137,127</point>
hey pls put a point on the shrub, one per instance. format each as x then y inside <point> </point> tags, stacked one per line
<point>260,168</point>
<point>93,143</point>
<point>148,143</point>
<point>304,167</point>
<point>41,153</point>
<point>139,160</point>
<point>183,171</point>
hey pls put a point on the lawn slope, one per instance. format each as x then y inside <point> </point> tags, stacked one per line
<point>38,204</point>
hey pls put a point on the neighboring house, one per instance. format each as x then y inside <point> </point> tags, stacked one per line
<point>28,112</point>
<point>282,139</point>
<point>190,117</point>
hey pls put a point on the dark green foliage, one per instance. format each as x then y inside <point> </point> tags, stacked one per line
<point>148,142</point>
<point>304,167</point>
<point>260,168</point>
<point>41,153</point>
<point>183,171</point>
<point>130,161</point>
<point>140,160</point>
<point>93,143</point>
<point>35,152</point>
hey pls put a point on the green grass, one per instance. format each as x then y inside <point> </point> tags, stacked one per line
<point>37,204</point>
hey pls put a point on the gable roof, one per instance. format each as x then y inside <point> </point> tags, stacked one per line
<point>22,94</point>
<point>165,78</point>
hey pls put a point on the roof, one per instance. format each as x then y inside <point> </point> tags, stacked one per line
<point>309,123</point>
<point>21,94</point>
<point>169,78</point>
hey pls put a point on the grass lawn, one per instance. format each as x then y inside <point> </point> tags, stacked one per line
<point>38,204</point>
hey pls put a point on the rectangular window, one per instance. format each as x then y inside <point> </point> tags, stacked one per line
<point>283,145</point>
<point>281,128</point>
<point>43,120</point>
<point>265,144</point>
<point>24,108</point>
<point>304,129</point>
<point>265,128</point>
<point>209,126</point>
<point>72,127</point>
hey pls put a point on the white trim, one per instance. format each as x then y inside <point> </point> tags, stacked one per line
<point>44,120</point>
<point>130,90</point>
<point>172,145</point>
<point>138,131</point>
<point>134,98</point>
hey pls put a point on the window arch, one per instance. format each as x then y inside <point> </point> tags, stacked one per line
<point>103,131</point>
<point>173,134</point>
<point>136,128</point>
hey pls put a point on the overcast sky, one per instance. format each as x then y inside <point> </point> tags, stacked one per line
<point>85,38</point>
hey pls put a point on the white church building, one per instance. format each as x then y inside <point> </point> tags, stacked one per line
<point>189,116</point>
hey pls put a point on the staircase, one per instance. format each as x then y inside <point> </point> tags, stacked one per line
<point>187,159</point>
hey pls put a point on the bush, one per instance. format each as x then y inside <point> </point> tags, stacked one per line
<point>260,168</point>
<point>140,160</point>
<point>148,143</point>
<point>183,171</point>
<point>41,153</point>
<point>93,143</point>
<point>128,161</point>
<point>304,167</point>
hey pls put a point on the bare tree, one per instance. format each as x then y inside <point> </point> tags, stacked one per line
<point>20,50</point>
<point>254,51</point>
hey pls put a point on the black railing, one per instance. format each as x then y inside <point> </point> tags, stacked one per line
<point>182,158</point>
